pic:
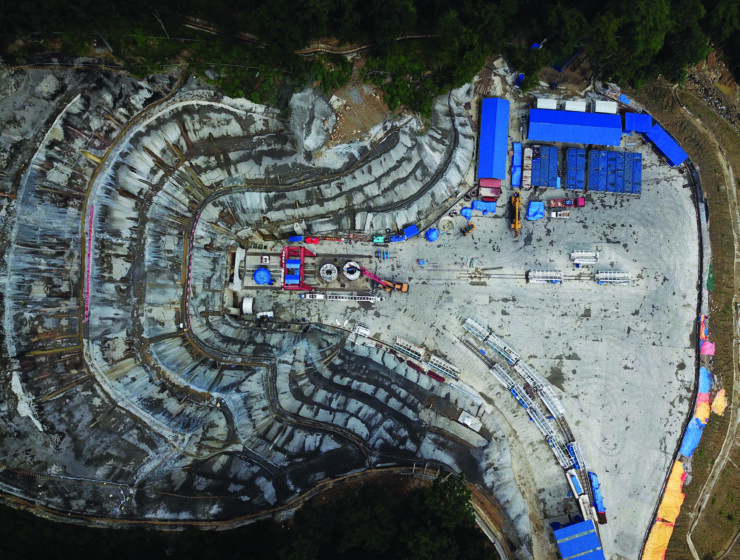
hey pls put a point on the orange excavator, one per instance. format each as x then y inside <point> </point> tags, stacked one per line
<point>516,207</point>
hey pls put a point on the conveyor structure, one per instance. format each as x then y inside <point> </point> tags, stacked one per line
<point>477,328</point>
<point>584,257</point>
<point>445,368</point>
<point>544,391</point>
<point>544,276</point>
<point>409,349</point>
<point>348,297</point>
<point>612,277</point>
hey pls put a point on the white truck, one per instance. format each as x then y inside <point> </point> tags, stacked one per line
<point>560,214</point>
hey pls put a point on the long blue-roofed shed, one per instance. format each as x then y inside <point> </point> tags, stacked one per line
<point>637,122</point>
<point>667,145</point>
<point>573,127</point>
<point>494,138</point>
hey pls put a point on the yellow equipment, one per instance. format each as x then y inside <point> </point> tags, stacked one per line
<point>516,205</point>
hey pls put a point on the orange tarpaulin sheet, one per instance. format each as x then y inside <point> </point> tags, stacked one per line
<point>719,403</point>
<point>670,507</point>
<point>657,541</point>
<point>702,412</point>
<point>675,481</point>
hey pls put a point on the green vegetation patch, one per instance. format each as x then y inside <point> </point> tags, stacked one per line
<point>366,522</point>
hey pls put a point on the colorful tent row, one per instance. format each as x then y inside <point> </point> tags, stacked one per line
<point>670,507</point>
<point>657,541</point>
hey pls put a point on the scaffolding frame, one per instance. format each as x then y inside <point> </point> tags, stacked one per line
<point>503,377</point>
<point>544,276</point>
<point>612,277</point>
<point>445,368</point>
<point>476,328</point>
<point>409,349</point>
<point>575,447</point>
<point>584,257</point>
<point>371,299</point>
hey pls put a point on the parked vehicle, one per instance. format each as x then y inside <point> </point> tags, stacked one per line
<point>468,229</point>
<point>579,202</point>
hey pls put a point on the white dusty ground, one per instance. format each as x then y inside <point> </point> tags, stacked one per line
<point>620,358</point>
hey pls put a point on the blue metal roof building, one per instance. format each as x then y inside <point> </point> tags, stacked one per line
<point>494,138</point>
<point>579,540</point>
<point>574,127</point>
<point>637,122</point>
<point>667,145</point>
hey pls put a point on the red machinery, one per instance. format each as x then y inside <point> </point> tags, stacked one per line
<point>387,286</point>
<point>579,202</point>
<point>292,262</point>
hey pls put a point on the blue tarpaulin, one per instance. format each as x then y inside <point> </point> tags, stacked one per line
<point>295,238</point>
<point>637,122</point>
<point>575,127</point>
<point>624,99</point>
<point>516,166</point>
<point>536,210</point>
<point>596,489</point>
<point>579,541</point>
<point>705,380</point>
<point>494,138</point>
<point>576,484</point>
<point>667,145</point>
<point>484,207</point>
<point>411,231</point>
<point>692,437</point>
<point>466,212</point>
<point>432,234</point>
<point>262,276</point>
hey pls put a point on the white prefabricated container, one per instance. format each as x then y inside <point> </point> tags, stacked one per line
<point>547,103</point>
<point>579,106</point>
<point>605,107</point>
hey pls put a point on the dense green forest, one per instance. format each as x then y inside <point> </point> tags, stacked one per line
<point>631,41</point>
<point>368,522</point>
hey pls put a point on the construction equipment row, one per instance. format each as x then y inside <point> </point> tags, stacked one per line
<point>536,415</point>
<point>553,276</point>
<point>545,392</point>
<point>427,360</point>
<point>569,456</point>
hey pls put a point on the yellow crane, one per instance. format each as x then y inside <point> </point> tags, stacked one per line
<point>516,205</point>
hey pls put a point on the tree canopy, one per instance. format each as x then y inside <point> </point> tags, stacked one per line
<point>629,41</point>
<point>368,522</point>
